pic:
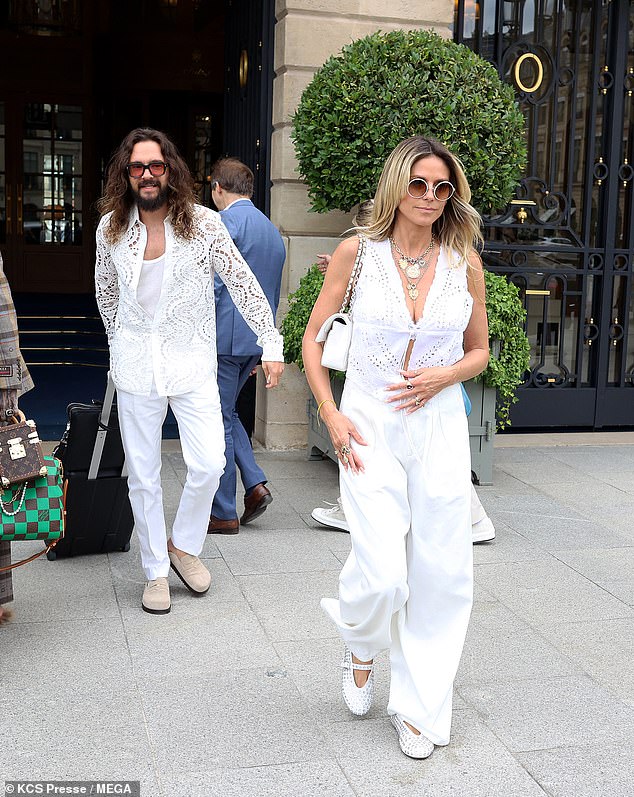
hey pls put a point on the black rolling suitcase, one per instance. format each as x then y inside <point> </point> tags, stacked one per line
<point>98,513</point>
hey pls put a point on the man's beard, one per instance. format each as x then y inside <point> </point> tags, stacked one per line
<point>150,204</point>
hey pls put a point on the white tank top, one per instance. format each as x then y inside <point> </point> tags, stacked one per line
<point>148,290</point>
<point>383,326</point>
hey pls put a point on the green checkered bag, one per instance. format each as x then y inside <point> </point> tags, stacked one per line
<point>34,510</point>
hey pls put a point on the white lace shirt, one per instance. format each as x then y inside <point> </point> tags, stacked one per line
<point>176,349</point>
<point>383,326</point>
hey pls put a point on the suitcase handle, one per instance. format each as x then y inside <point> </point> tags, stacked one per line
<point>102,431</point>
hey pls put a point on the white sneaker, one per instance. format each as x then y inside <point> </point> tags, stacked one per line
<point>483,530</point>
<point>357,698</point>
<point>412,744</point>
<point>333,517</point>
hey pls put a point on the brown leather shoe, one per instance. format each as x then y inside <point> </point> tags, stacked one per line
<point>218,526</point>
<point>255,503</point>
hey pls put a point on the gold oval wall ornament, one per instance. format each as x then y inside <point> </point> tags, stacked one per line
<point>540,73</point>
<point>243,69</point>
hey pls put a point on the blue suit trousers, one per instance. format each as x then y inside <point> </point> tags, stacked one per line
<point>233,372</point>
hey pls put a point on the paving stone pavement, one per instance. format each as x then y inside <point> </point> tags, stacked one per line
<point>237,694</point>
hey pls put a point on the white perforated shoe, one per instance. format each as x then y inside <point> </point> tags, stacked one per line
<point>413,745</point>
<point>357,698</point>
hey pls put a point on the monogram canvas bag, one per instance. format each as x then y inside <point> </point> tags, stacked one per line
<point>21,455</point>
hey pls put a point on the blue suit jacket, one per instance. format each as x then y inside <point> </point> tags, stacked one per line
<point>261,245</point>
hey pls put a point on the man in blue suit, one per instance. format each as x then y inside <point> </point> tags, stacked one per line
<point>261,245</point>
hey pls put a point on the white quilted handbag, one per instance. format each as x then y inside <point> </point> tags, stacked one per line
<point>336,331</point>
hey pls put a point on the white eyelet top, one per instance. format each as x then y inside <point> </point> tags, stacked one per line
<point>383,326</point>
<point>175,349</point>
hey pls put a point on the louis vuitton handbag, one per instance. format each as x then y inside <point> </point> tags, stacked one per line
<point>21,456</point>
<point>34,510</point>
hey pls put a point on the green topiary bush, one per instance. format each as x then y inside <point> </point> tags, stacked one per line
<point>386,87</point>
<point>300,306</point>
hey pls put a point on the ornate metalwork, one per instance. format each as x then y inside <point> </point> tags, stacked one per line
<point>539,77</point>
<point>567,237</point>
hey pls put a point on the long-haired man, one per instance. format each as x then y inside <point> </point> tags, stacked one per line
<point>157,253</point>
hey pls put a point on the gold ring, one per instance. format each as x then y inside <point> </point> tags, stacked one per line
<point>344,459</point>
<point>345,450</point>
<point>418,402</point>
<point>410,387</point>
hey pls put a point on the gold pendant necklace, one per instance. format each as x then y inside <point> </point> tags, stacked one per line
<point>414,268</point>
<point>412,290</point>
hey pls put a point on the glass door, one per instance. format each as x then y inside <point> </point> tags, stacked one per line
<point>42,196</point>
<point>52,171</point>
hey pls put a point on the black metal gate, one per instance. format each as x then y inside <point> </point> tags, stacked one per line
<point>567,239</point>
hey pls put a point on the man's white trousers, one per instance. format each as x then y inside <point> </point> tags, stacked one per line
<point>202,437</point>
<point>408,582</point>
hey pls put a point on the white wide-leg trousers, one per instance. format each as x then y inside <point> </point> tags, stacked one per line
<point>408,582</point>
<point>202,437</point>
<point>477,510</point>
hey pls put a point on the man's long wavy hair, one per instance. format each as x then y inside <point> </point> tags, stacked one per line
<point>119,198</point>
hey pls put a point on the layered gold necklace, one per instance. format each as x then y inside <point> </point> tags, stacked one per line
<point>414,268</point>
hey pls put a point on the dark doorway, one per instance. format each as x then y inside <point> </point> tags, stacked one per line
<point>75,77</point>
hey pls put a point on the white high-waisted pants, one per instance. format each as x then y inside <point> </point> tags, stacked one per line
<point>202,437</point>
<point>407,584</point>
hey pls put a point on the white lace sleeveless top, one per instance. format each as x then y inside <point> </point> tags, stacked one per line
<point>383,326</point>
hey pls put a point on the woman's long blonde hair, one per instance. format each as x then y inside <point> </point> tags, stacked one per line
<point>459,227</point>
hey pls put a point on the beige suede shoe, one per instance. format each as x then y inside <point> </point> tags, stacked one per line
<point>191,571</point>
<point>156,597</point>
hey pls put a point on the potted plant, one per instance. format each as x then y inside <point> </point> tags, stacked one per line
<point>300,305</point>
<point>380,90</point>
<point>491,394</point>
<point>494,392</point>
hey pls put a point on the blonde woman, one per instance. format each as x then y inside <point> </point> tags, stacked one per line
<point>333,516</point>
<point>401,436</point>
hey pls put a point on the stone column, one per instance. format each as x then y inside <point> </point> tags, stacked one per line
<point>307,33</point>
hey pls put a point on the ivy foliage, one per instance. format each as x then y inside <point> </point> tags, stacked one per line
<point>386,87</point>
<point>506,314</point>
<point>300,306</point>
<point>507,368</point>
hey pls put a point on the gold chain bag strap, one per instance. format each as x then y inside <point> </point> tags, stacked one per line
<point>336,331</point>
